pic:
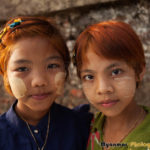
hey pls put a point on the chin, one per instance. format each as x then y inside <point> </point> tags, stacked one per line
<point>112,113</point>
<point>41,107</point>
<point>38,109</point>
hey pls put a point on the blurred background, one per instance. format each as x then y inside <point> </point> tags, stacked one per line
<point>72,16</point>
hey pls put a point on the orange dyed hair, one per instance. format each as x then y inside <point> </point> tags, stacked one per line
<point>30,27</point>
<point>113,40</point>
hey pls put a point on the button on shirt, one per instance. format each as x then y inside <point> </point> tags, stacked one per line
<point>36,131</point>
<point>69,130</point>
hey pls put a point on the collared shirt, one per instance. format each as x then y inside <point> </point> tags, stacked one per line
<point>69,130</point>
<point>137,139</point>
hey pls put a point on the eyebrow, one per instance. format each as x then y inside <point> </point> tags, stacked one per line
<point>24,61</point>
<point>86,70</point>
<point>112,66</point>
<point>54,58</point>
<point>107,68</point>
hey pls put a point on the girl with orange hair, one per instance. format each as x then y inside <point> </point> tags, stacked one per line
<point>110,62</point>
<point>34,64</point>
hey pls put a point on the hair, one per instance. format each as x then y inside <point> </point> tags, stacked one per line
<point>29,26</point>
<point>113,40</point>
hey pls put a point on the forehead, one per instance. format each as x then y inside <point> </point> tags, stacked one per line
<point>32,48</point>
<point>93,61</point>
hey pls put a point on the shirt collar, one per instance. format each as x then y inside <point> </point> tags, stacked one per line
<point>97,123</point>
<point>18,124</point>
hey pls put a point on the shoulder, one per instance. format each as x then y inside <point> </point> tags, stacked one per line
<point>8,124</point>
<point>4,129</point>
<point>78,118</point>
<point>3,122</point>
<point>83,115</point>
<point>73,124</point>
<point>139,137</point>
<point>77,113</point>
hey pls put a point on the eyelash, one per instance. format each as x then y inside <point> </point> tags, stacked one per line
<point>86,77</point>
<point>118,72</point>
<point>114,73</point>
<point>22,69</point>
<point>53,66</point>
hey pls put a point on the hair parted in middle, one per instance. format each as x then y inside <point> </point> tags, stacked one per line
<point>113,40</point>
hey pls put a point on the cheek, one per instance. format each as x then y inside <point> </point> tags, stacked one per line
<point>126,87</point>
<point>18,87</point>
<point>85,88</point>
<point>59,82</point>
<point>88,90</point>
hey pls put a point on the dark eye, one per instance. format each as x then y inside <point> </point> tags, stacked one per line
<point>51,66</point>
<point>22,69</point>
<point>88,77</point>
<point>116,72</point>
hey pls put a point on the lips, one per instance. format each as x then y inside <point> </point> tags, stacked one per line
<point>41,96</point>
<point>109,103</point>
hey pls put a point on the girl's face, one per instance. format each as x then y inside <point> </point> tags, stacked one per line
<point>109,85</point>
<point>36,73</point>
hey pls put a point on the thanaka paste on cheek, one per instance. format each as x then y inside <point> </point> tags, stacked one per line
<point>59,82</point>
<point>18,87</point>
<point>127,89</point>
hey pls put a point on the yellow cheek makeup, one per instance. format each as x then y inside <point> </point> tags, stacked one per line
<point>127,85</point>
<point>18,87</point>
<point>59,82</point>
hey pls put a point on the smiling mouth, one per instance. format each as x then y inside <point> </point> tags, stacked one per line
<point>108,103</point>
<point>41,96</point>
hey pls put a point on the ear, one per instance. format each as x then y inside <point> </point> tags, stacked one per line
<point>141,75</point>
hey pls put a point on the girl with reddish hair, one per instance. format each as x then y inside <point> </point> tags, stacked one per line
<point>34,64</point>
<point>111,64</point>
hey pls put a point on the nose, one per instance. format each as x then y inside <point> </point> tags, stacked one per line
<point>104,86</point>
<point>39,79</point>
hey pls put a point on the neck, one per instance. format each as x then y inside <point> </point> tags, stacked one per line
<point>128,115</point>
<point>30,116</point>
<point>127,120</point>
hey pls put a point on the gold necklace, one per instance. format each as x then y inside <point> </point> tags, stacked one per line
<point>47,132</point>
<point>130,129</point>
